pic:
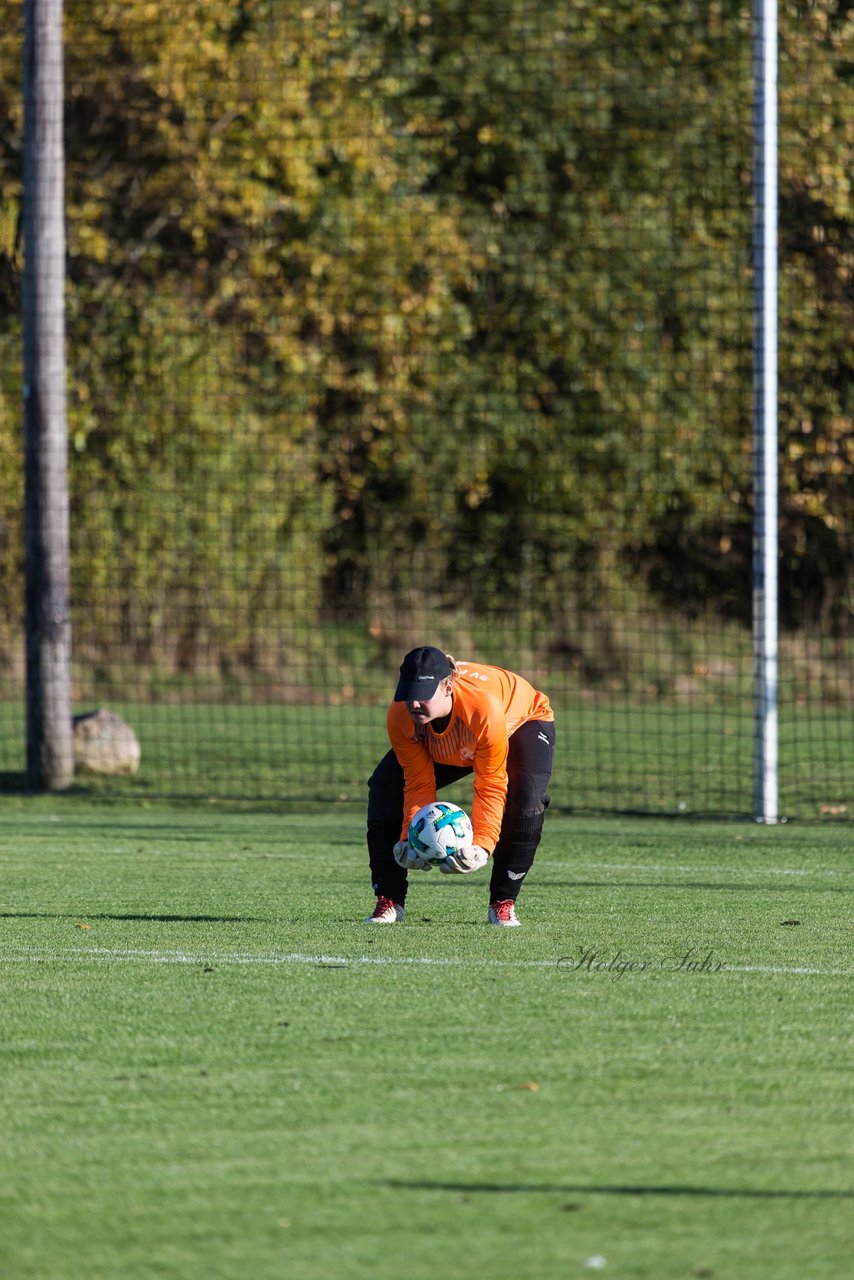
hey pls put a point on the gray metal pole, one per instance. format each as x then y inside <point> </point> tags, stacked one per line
<point>48,619</point>
<point>765,534</point>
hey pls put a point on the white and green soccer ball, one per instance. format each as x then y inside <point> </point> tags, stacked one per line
<point>440,830</point>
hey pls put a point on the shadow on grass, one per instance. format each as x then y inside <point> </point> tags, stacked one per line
<point>15,784</point>
<point>109,915</point>
<point>140,792</point>
<point>499,1188</point>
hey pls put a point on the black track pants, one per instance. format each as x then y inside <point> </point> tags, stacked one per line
<point>529,769</point>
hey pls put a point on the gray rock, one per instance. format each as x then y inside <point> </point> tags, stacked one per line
<point>104,743</point>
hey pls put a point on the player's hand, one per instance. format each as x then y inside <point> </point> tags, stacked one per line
<point>409,859</point>
<point>471,859</point>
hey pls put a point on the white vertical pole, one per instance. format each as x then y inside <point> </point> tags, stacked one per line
<point>765,536</point>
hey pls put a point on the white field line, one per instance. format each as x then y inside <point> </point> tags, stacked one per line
<point>694,870</point>
<point>21,954</point>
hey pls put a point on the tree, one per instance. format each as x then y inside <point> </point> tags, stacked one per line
<point>50,761</point>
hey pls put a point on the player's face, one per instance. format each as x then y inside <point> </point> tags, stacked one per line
<point>423,712</point>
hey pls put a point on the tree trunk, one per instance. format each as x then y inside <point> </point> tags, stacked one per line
<point>48,619</point>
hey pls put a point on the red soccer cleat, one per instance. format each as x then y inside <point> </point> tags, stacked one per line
<point>386,912</point>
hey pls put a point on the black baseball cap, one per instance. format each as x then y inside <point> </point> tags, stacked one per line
<point>420,673</point>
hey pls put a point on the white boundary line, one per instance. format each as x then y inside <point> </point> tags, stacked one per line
<point>566,964</point>
<point>695,870</point>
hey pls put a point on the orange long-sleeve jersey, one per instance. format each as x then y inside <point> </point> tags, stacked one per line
<point>489,705</point>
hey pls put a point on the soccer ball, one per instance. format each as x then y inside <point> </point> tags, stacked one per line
<point>439,830</point>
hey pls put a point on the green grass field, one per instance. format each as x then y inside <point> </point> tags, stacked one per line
<point>212,1069</point>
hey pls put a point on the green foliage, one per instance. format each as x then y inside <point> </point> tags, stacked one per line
<point>364,297</point>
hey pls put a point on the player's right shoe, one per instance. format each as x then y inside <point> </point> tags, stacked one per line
<point>386,912</point>
<point>504,914</point>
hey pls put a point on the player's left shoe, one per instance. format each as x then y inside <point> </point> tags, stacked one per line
<point>503,914</point>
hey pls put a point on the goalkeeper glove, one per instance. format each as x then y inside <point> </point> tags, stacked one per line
<point>471,859</point>
<point>407,858</point>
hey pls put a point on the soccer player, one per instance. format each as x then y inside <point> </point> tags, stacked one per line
<point>449,719</point>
